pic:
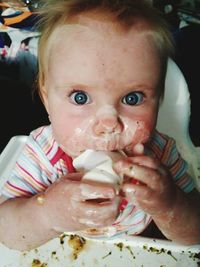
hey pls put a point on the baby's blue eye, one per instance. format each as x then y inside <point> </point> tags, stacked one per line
<point>133,98</point>
<point>80,98</point>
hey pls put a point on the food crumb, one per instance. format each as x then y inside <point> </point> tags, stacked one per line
<point>77,243</point>
<point>37,263</point>
<point>109,253</point>
<point>62,239</point>
<point>41,199</point>
<point>120,246</point>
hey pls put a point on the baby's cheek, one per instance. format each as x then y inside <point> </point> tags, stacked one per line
<point>142,134</point>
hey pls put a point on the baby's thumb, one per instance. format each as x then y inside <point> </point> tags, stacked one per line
<point>136,150</point>
<point>74,176</point>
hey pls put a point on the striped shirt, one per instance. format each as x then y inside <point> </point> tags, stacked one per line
<point>42,162</point>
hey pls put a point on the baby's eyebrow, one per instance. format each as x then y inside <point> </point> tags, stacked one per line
<point>77,86</point>
<point>91,86</point>
<point>71,85</point>
<point>140,86</point>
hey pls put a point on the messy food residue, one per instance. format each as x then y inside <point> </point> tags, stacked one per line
<point>121,246</point>
<point>77,243</point>
<point>38,263</point>
<point>159,251</point>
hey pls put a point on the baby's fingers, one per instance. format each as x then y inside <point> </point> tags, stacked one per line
<point>139,192</point>
<point>143,174</point>
<point>136,150</point>
<point>96,191</point>
<point>94,214</point>
<point>143,197</point>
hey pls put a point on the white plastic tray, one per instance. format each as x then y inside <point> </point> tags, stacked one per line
<point>72,251</point>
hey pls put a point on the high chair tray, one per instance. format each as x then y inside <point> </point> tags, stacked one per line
<point>74,251</point>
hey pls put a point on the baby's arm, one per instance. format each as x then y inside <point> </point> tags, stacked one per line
<point>182,223</point>
<point>67,205</point>
<point>22,223</point>
<point>176,213</point>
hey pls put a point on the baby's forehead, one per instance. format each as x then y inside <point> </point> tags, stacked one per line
<point>67,31</point>
<point>78,31</point>
<point>91,30</point>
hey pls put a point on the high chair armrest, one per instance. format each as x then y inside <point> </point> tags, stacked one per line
<point>9,156</point>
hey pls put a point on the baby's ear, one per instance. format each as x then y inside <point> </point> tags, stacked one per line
<point>44,97</point>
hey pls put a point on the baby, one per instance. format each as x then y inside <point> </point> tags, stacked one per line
<point>102,67</point>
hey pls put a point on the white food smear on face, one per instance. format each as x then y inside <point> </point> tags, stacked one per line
<point>85,137</point>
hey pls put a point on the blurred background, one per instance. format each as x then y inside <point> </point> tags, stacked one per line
<point>21,109</point>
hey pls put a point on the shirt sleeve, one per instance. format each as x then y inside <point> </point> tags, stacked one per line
<point>165,149</point>
<point>178,167</point>
<point>32,173</point>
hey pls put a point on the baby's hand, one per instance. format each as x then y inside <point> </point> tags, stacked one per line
<point>147,183</point>
<point>72,205</point>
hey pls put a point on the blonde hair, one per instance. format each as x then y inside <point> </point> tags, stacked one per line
<point>126,13</point>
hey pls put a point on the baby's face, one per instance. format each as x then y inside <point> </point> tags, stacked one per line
<point>101,87</point>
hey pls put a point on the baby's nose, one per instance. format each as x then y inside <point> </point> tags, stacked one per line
<point>108,125</point>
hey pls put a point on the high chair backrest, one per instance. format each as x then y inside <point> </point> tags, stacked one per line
<point>173,119</point>
<point>174,112</point>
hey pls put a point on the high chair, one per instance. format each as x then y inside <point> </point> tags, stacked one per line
<point>72,250</point>
<point>174,118</point>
